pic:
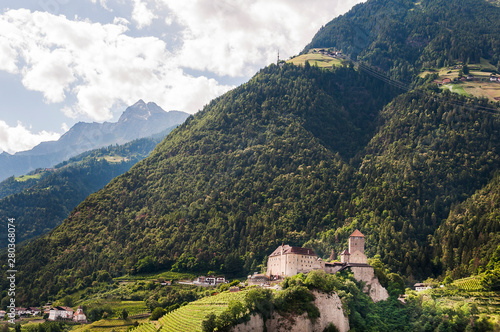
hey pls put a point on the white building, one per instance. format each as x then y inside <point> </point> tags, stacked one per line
<point>210,281</point>
<point>60,313</point>
<point>289,261</point>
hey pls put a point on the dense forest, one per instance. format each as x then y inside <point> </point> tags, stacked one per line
<point>43,201</point>
<point>471,233</point>
<point>303,155</point>
<point>403,36</point>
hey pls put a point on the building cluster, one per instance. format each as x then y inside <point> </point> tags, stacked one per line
<point>469,78</point>
<point>54,313</point>
<point>209,281</point>
<point>333,54</point>
<point>66,313</point>
<point>287,261</point>
<point>459,79</point>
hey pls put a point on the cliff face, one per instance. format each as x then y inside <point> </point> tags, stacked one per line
<point>330,308</point>
<point>372,285</point>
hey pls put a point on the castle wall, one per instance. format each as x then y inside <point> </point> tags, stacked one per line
<point>358,257</point>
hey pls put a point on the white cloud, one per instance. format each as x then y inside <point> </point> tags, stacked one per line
<point>64,127</point>
<point>19,138</point>
<point>234,37</point>
<point>120,21</point>
<point>142,15</point>
<point>103,3</point>
<point>98,64</point>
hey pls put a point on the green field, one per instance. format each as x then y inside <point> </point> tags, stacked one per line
<point>481,88</point>
<point>472,284</point>
<point>315,59</point>
<point>115,159</point>
<point>104,325</point>
<point>468,291</point>
<point>23,178</point>
<point>457,88</point>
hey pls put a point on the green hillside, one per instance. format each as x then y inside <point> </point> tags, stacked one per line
<point>471,233</point>
<point>41,200</point>
<point>428,154</point>
<point>189,318</point>
<point>256,167</point>
<point>404,36</point>
<point>304,155</point>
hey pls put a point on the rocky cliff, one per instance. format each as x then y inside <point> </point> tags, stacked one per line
<point>372,287</point>
<point>330,308</point>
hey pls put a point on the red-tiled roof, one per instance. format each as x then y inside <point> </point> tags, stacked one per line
<point>293,250</point>
<point>357,233</point>
<point>345,252</point>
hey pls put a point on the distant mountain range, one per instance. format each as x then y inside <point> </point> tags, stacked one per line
<point>139,120</point>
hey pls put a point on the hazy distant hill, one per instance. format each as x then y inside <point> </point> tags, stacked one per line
<point>139,120</point>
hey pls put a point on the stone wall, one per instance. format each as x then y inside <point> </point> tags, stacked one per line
<point>358,257</point>
<point>330,308</point>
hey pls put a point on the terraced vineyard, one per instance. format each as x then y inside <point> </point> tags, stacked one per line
<point>469,284</point>
<point>189,317</point>
<point>470,291</point>
<point>146,327</point>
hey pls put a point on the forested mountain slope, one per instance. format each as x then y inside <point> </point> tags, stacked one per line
<point>404,36</point>
<point>51,195</point>
<point>258,166</point>
<point>471,233</point>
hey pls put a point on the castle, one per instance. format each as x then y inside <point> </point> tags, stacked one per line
<point>287,261</point>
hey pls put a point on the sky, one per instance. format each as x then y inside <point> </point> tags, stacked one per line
<point>65,61</point>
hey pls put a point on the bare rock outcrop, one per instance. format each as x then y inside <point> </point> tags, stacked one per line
<point>372,285</point>
<point>330,308</point>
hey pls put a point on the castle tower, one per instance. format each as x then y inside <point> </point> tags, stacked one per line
<point>356,242</point>
<point>357,248</point>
